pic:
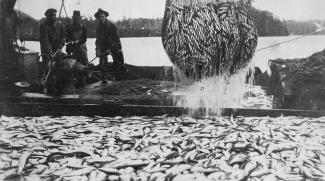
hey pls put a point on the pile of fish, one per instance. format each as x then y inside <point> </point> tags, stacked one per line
<point>162,148</point>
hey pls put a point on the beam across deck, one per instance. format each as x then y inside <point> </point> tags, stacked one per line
<point>111,110</point>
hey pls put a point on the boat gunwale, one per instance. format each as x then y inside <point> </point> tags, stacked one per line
<point>28,109</point>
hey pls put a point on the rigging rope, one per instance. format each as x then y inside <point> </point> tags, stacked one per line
<point>49,2</point>
<point>63,8</point>
<point>284,42</point>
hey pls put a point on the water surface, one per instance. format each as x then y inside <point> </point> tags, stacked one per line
<point>149,51</point>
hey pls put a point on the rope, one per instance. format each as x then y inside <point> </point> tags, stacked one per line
<point>284,42</point>
<point>20,23</point>
<point>44,81</point>
<point>19,15</point>
<point>92,61</point>
<point>49,3</point>
<point>64,9</point>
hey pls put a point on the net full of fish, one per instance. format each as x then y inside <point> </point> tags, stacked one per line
<point>204,38</point>
<point>162,148</point>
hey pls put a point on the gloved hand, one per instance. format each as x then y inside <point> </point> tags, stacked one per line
<point>75,42</point>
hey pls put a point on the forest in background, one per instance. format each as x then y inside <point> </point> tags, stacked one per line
<point>267,25</point>
<point>304,27</point>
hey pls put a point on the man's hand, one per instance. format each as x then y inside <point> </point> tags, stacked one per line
<point>75,42</point>
<point>100,53</point>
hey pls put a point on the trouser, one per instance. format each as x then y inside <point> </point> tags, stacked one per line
<point>69,75</point>
<point>78,52</point>
<point>117,55</point>
<point>118,61</point>
<point>47,65</point>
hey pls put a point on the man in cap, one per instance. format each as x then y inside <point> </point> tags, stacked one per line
<point>108,40</point>
<point>52,37</point>
<point>76,37</point>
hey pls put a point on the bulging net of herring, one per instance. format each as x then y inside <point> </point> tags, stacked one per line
<point>162,148</point>
<point>209,37</point>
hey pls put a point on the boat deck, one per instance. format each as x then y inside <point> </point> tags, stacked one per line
<point>125,98</point>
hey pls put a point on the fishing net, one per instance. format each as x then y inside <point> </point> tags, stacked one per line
<point>302,79</point>
<point>209,37</point>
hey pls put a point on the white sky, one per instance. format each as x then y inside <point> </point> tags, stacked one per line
<point>284,9</point>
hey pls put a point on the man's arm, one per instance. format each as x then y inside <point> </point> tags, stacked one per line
<point>116,37</point>
<point>44,41</point>
<point>83,38</point>
<point>68,34</point>
<point>62,36</point>
<point>68,38</point>
<point>98,43</point>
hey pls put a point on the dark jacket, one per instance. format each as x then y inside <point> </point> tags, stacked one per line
<point>107,37</point>
<point>51,37</point>
<point>75,33</point>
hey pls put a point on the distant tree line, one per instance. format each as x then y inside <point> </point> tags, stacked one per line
<point>142,27</point>
<point>29,28</point>
<point>304,27</point>
<point>267,25</point>
<point>139,27</point>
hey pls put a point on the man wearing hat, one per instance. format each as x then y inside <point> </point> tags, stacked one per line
<point>108,40</point>
<point>52,36</point>
<point>76,37</point>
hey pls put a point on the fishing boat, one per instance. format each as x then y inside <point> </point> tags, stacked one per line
<point>21,86</point>
<point>143,90</point>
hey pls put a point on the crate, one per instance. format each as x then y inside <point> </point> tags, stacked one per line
<point>28,64</point>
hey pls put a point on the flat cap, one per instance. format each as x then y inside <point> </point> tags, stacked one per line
<point>76,13</point>
<point>50,12</point>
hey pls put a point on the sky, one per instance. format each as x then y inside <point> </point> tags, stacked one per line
<point>283,9</point>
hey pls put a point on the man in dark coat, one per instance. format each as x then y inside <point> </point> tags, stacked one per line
<point>52,37</point>
<point>76,37</point>
<point>108,41</point>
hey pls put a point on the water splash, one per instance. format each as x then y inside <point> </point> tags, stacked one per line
<point>215,93</point>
